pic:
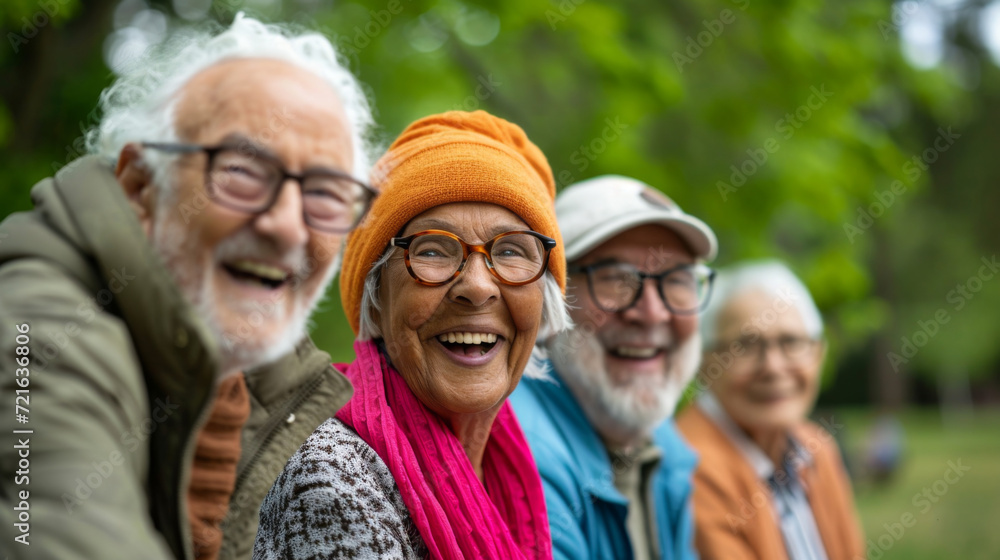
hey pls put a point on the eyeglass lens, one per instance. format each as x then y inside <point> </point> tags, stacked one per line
<point>247,182</point>
<point>615,287</point>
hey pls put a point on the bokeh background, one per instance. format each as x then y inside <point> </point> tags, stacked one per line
<point>855,139</point>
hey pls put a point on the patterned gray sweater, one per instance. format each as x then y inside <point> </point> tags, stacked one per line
<point>336,499</point>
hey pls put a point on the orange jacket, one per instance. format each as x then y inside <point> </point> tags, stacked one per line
<point>734,515</point>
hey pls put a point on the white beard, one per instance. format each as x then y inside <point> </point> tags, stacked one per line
<point>632,409</point>
<point>241,350</point>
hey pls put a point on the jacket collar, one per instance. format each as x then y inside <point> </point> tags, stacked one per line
<point>677,454</point>
<point>761,464</point>
<point>572,422</point>
<point>677,465</point>
<point>169,336</point>
<point>272,382</point>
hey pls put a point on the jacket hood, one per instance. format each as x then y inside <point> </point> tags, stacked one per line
<point>83,224</point>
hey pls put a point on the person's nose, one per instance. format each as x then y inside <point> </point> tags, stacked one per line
<point>771,359</point>
<point>650,308</point>
<point>476,285</point>
<point>284,220</point>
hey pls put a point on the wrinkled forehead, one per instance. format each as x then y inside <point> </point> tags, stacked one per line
<point>761,312</point>
<point>651,248</point>
<point>259,97</point>
<point>475,222</point>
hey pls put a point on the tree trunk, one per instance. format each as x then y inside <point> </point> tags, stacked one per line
<point>890,388</point>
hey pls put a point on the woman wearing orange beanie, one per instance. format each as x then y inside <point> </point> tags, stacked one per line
<point>448,282</point>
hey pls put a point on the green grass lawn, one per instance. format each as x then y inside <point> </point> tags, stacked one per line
<point>965,520</point>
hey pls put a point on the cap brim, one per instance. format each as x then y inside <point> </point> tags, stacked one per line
<point>693,231</point>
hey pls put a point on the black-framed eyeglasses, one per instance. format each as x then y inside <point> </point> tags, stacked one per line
<point>435,257</point>
<point>616,286</point>
<point>249,180</point>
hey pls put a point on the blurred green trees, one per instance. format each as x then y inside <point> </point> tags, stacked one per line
<point>791,127</point>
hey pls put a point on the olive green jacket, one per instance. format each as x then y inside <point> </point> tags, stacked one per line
<point>120,378</point>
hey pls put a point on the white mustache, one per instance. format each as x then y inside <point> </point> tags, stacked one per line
<point>246,244</point>
<point>660,339</point>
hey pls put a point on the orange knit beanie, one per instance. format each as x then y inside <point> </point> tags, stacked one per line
<point>451,157</point>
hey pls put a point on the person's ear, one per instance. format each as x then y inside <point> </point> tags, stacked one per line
<point>821,355</point>
<point>136,179</point>
<point>702,374</point>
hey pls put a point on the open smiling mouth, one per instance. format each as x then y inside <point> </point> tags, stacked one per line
<point>636,353</point>
<point>468,343</point>
<point>269,277</point>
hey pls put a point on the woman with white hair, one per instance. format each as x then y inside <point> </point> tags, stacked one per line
<point>769,484</point>
<point>456,271</point>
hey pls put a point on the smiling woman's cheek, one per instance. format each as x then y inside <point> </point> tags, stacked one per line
<point>410,313</point>
<point>405,307</point>
<point>526,310</point>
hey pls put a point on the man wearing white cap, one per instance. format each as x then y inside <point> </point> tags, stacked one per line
<point>617,475</point>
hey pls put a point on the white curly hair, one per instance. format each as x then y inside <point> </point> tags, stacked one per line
<point>140,105</point>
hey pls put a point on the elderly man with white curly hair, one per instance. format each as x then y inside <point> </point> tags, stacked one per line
<point>155,300</point>
<point>617,475</point>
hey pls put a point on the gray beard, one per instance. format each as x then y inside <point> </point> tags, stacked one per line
<point>634,409</point>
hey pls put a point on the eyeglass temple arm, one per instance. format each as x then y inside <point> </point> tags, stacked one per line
<point>576,269</point>
<point>184,148</point>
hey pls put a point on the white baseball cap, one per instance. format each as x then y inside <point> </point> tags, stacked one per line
<point>591,212</point>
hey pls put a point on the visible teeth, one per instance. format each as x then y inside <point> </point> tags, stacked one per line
<point>468,338</point>
<point>632,352</point>
<point>259,269</point>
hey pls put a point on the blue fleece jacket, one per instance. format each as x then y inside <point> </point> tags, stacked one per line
<point>586,511</point>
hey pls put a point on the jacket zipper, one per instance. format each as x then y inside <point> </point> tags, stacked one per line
<point>271,427</point>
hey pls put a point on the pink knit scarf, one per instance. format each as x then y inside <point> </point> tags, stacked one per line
<point>456,515</point>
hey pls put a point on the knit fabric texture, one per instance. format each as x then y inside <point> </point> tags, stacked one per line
<point>213,474</point>
<point>451,157</point>
<point>336,499</point>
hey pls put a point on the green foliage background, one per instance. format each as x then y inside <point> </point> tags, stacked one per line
<point>692,88</point>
